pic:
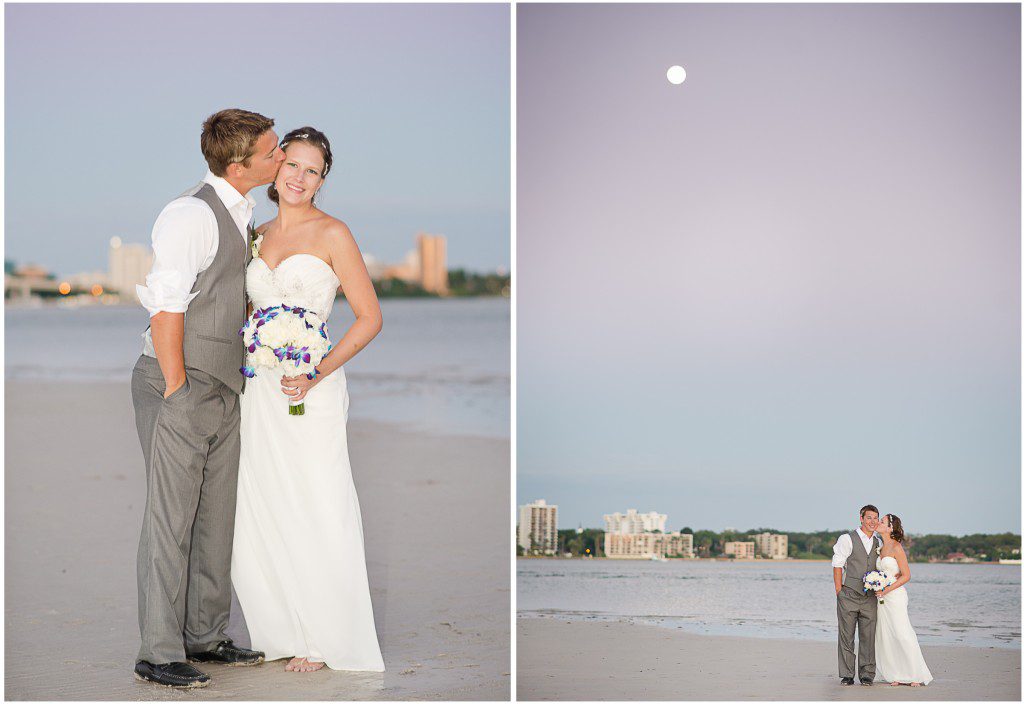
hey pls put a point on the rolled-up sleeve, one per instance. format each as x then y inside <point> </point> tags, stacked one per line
<point>184,244</point>
<point>841,550</point>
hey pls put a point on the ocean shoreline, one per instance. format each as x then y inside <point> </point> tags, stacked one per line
<point>438,368</point>
<point>705,629</point>
<point>956,606</point>
<point>792,560</point>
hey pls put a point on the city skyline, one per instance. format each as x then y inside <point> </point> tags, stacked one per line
<point>674,526</point>
<point>784,288</point>
<point>378,269</point>
<point>128,265</point>
<point>415,101</point>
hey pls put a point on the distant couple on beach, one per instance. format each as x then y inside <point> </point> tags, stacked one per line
<point>240,489</point>
<point>880,617</point>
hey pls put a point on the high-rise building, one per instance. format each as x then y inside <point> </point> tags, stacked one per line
<point>538,528</point>
<point>774,546</point>
<point>425,265</point>
<point>433,263</point>
<point>633,522</point>
<point>633,535</point>
<point>129,264</point>
<point>741,550</point>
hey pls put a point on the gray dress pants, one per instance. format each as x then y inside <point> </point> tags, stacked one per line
<point>190,442</point>
<point>857,611</point>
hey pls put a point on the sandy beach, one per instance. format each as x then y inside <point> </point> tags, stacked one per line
<point>573,660</point>
<point>75,490</point>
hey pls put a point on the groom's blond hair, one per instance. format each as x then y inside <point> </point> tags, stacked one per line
<point>230,136</point>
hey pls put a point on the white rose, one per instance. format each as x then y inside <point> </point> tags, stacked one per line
<point>263,357</point>
<point>272,334</point>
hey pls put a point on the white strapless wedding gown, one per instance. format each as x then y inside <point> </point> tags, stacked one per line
<point>298,564</point>
<point>898,655</point>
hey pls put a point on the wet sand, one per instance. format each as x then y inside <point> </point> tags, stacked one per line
<point>573,660</point>
<point>435,518</point>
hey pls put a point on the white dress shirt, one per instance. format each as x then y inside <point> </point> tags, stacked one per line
<point>185,243</point>
<point>844,547</point>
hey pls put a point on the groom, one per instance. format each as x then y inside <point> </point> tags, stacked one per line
<point>185,388</point>
<point>854,556</point>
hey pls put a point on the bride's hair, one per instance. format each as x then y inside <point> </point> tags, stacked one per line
<point>897,527</point>
<point>313,137</point>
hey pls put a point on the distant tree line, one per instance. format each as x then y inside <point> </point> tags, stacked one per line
<point>460,284</point>
<point>579,543</point>
<point>920,548</point>
<point>400,288</point>
<point>463,283</point>
<point>817,545</point>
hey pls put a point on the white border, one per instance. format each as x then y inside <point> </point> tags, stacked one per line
<point>512,413</point>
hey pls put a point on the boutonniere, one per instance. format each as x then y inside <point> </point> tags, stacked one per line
<point>256,241</point>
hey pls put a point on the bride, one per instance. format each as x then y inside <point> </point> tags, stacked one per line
<point>298,564</point>
<point>897,652</point>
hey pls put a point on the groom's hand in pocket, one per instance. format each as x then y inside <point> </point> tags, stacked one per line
<point>167,331</point>
<point>171,388</point>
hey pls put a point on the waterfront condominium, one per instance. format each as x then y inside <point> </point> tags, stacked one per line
<point>640,536</point>
<point>740,550</point>
<point>774,546</point>
<point>538,528</point>
<point>646,546</point>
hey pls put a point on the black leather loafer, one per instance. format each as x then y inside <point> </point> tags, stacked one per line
<point>227,653</point>
<point>846,681</point>
<point>171,674</point>
<point>865,683</point>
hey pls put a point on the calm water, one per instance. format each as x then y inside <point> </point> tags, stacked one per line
<point>439,365</point>
<point>975,605</point>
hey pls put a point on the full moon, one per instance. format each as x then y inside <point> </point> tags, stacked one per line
<point>676,75</point>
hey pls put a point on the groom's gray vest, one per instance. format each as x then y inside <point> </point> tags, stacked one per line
<point>214,317</point>
<point>859,562</point>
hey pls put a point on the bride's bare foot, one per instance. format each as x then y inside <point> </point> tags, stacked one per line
<point>312,666</point>
<point>915,684</point>
<point>302,665</point>
<point>894,684</point>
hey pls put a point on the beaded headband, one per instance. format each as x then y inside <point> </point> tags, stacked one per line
<point>304,135</point>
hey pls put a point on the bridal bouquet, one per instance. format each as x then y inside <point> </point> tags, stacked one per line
<point>877,581</point>
<point>286,340</point>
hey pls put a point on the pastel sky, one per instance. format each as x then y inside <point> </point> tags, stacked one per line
<point>104,105</point>
<point>787,287</point>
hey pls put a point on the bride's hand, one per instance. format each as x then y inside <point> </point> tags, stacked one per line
<point>296,387</point>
